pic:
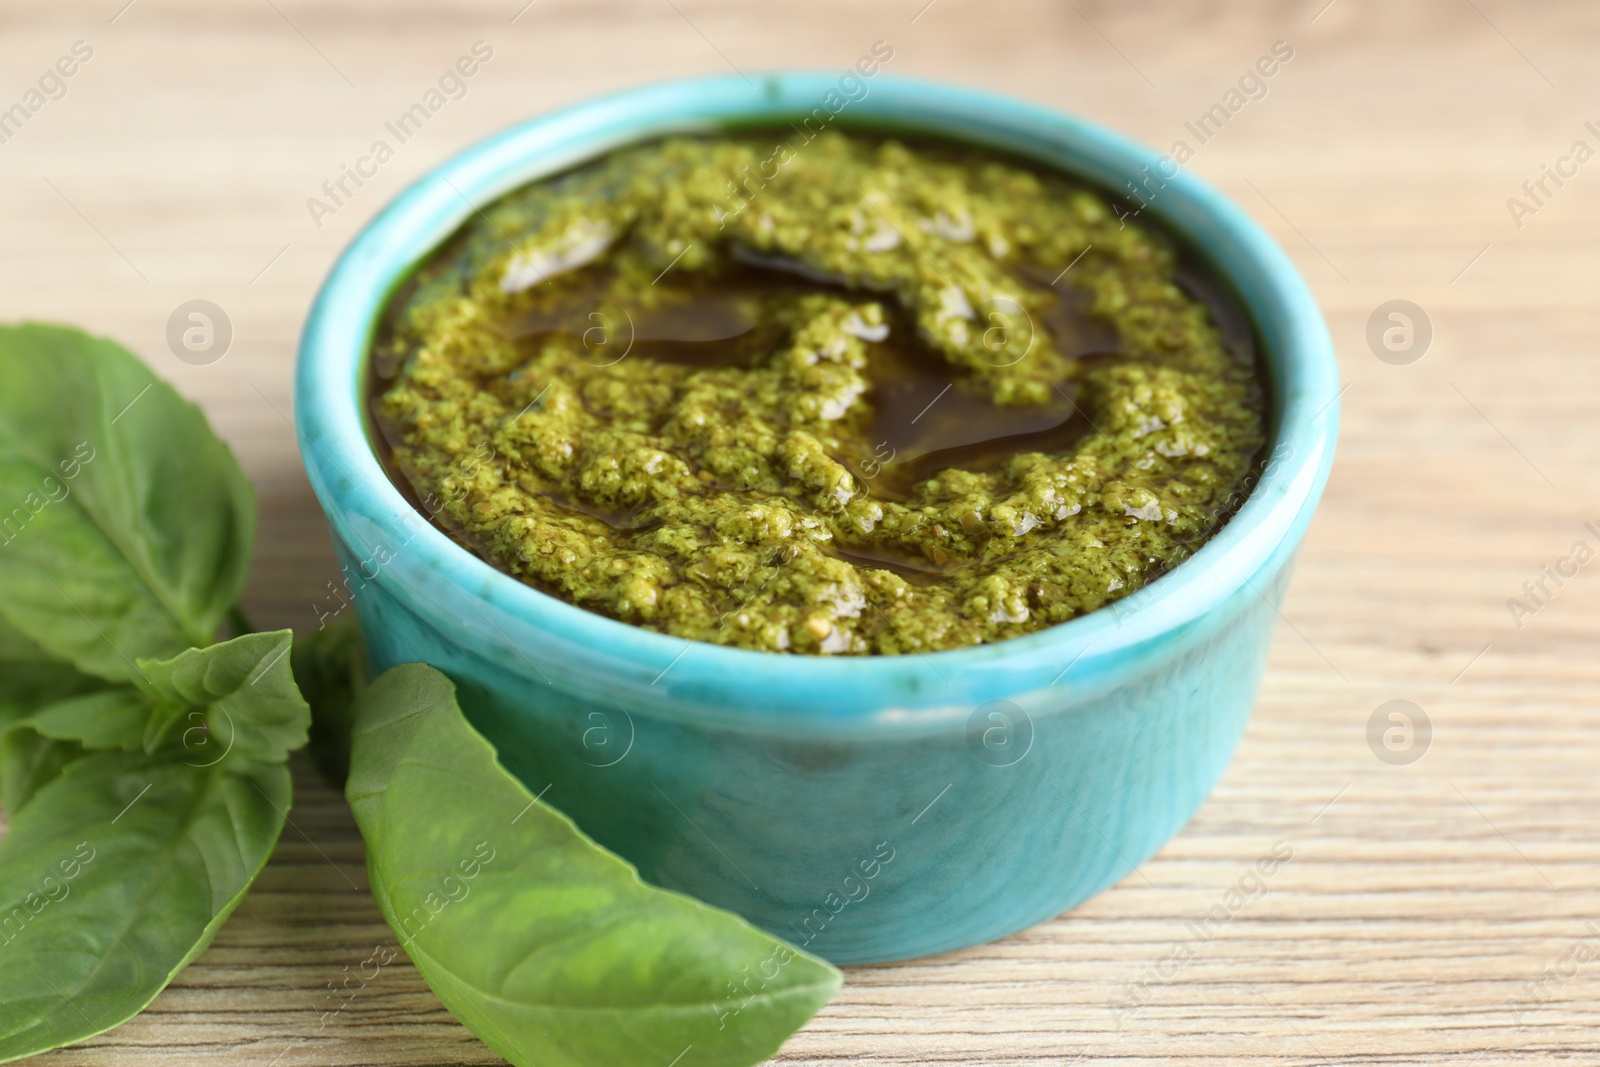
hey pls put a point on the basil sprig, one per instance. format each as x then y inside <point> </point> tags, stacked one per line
<point>142,767</point>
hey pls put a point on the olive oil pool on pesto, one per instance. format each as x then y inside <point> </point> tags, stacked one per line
<point>842,395</point>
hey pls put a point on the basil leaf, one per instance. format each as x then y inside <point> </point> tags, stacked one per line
<point>125,524</point>
<point>330,667</point>
<point>29,678</point>
<point>254,710</point>
<point>545,945</point>
<point>15,648</point>
<point>110,719</point>
<point>37,748</point>
<point>29,682</point>
<point>28,763</point>
<point>114,877</point>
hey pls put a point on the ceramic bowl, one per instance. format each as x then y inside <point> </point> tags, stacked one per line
<point>870,808</point>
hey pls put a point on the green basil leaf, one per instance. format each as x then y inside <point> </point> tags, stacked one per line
<point>125,524</point>
<point>330,667</point>
<point>15,646</point>
<point>545,945</point>
<point>28,763</point>
<point>255,710</point>
<point>30,682</point>
<point>109,719</point>
<point>114,877</point>
<point>36,748</point>
<point>29,678</point>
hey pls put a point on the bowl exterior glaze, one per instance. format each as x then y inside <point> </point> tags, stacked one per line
<point>873,808</point>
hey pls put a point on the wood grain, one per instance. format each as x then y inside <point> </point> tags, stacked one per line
<point>1430,912</point>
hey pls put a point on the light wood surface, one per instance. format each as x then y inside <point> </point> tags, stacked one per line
<point>1423,903</point>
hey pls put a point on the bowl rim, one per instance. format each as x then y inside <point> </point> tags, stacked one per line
<point>365,509</point>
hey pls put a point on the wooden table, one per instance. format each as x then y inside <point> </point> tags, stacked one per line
<point>1439,911</point>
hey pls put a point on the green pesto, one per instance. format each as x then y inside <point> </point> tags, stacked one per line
<point>739,485</point>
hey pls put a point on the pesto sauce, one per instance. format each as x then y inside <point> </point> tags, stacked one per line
<point>826,396</point>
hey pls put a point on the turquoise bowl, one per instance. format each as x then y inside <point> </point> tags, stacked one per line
<point>873,808</point>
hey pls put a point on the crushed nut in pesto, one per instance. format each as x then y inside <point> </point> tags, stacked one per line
<point>839,395</point>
